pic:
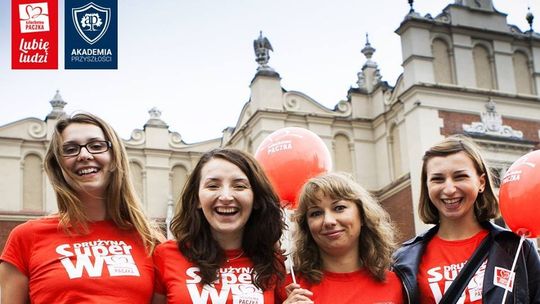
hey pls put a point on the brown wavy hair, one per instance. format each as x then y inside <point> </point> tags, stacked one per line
<point>262,232</point>
<point>122,203</point>
<point>486,206</point>
<point>376,243</point>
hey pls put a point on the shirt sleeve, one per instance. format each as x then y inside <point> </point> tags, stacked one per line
<point>18,247</point>
<point>159,286</point>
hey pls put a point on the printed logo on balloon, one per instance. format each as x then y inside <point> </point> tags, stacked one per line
<point>519,195</point>
<point>290,156</point>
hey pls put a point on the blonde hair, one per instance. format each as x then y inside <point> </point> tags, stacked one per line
<point>122,204</point>
<point>486,206</point>
<point>376,243</point>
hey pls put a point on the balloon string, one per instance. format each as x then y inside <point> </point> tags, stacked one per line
<point>511,279</point>
<point>292,272</point>
<point>289,239</point>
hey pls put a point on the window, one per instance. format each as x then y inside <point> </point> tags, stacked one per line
<point>522,75</point>
<point>137,179</point>
<point>342,154</point>
<point>442,65</point>
<point>32,183</point>
<point>179,178</point>
<point>482,67</point>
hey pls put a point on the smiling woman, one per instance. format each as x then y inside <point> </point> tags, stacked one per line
<point>344,244</point>
<point>464,251</point>
<point>98,247</point>
<point>227,228</point>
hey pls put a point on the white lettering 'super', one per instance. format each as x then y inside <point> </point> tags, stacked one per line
<point>234,281</point>
<point>93,256</point>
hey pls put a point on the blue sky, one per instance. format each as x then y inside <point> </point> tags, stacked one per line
<point>194,60</point>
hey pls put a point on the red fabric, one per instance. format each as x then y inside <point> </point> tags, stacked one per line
<point>108,265</point>
<point>351,288</point>
<point>178,279</point>
<point>442,261</point>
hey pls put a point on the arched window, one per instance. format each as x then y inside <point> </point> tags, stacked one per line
<point>482,67</point>
<point>442,65</point>
<point>342,154</point>
<point>250,147</point>
<point>179,178</point>
<point>137,178</point>
<point>395,151</point>
<point>32,183</point>
<point>521,73</point>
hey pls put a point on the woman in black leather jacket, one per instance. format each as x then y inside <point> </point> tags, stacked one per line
<point>457,197</point>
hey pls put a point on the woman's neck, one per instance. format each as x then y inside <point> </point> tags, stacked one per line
<point>228,242</point>
<point>458,229</point>
<point>348,262</point>
<point>94,207</point>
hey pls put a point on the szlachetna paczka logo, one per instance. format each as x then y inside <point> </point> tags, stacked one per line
<point>34,35</point>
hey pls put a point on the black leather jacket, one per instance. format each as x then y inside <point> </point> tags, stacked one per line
<point>502,252</point>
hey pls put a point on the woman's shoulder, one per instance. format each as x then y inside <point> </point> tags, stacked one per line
<point>167,249</point>
<point>167,245</point>
<point>33,225</point>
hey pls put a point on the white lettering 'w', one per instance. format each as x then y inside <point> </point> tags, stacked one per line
<point>217,297</point>
<point>83,262</point>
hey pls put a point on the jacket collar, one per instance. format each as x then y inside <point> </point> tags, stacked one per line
<point>493,230</point>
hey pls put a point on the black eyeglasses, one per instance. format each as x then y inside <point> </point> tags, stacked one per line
<point>94,147</point>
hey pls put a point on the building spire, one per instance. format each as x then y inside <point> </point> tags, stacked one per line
<point>370,75</point>
<point>58,104</point>
<point>155,119</point>
<point>368,50</point>
<point>411,4</point>
<point>529,17</point>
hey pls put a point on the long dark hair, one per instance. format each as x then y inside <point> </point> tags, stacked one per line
<point>262,232</point>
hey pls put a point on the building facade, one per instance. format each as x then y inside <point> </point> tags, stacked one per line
<point>465,71</point>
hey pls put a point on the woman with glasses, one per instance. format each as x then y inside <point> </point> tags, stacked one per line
<point>97,248</point>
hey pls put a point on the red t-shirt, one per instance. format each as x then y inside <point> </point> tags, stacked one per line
<point>108,265</point>
<point>440,265</point>
<point>179,280</point>
<point>351,288</point>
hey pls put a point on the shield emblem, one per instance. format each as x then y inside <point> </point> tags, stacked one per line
<point>91,21</point>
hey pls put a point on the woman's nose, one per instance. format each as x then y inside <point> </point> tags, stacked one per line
<point>84,154</point>
<point>225,194</point>
<point>329,219</point>
<point>449,187</point>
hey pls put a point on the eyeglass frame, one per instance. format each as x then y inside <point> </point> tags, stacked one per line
<point>108,142</point>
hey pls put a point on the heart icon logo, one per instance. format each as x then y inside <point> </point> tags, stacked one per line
<point>33,12</point>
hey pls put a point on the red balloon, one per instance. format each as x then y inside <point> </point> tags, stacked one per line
<point>520,195</point>
<point>290,156</point>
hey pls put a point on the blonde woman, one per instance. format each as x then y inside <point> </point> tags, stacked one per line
<point>344,243</point>
<point>97,249</point>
